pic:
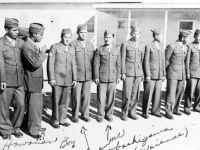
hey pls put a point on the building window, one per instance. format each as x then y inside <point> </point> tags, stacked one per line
<point>90,25</point>
<point>121,24</point>
<point>23,21</point>
<point>55,23</point>
<point>186,24</point>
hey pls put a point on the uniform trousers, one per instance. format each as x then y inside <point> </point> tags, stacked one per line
<point>174,95</point>
<point>61,96</point>
<point>18,95</point>
<point>193,85</point>
<point>130,95</point>
<point>152,92</point>
<point>35,108</point>
<point>81,92</point>
<point>105,91</point>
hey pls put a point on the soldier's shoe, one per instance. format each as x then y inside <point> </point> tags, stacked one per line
<point>37,136</point>
<point>42,129</point>
<point>187,112</point>
<point>133,117</point>
<point>55,125</point>
<point>124,117</point>
<point>6,137</point>
<point>145,116</point>
<point>177,113</point>
<point>65,124</point>
<point>157,115</point>
<point>75,120</point>
<point>169,117</point>
<point>86,119</point>
<point>196,110</point>
<point>100,120</point>
<point>18,135</point>
<point>110,119</point>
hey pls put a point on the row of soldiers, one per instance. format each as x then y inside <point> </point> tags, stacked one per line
<point>72,66</point>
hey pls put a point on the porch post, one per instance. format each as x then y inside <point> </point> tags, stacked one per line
<point>95,29</point>
<point>129,24</point>
<point>165,31</point>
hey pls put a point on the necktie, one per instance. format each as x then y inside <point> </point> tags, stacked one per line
<point>13,43</point>
<point>83,43</point>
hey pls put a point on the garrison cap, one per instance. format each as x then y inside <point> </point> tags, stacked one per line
<point>66,31</point>
<point>185,33</point>
<point>197,31</point>
<point>157,31</point>
<point>81,27</point>
<point>36,28</point>
<point>108,32</point>
<point>23,31</point>
<point>11,22</point>
<point>135,29</point>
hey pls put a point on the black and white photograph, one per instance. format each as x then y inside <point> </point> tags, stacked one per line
<point>99,74</point>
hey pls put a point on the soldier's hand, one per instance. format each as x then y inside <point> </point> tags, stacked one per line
<point>52,82</point>
<point>123,77</point>
<point>142,79</point>
<point>148,79</point>
<point>163,79</point>
<point>3,86</point>
<point>97,81</point>
<point>188,76</point>
<point>44,49</point>
<point>74,84</point>
<point>118,81</point>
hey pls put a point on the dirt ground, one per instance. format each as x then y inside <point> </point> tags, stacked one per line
<point>182,133</point>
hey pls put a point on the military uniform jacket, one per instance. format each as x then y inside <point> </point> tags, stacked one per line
<point>107,65</point>
<point>11,70</point>
<point>132,59</point>
<point>84,60</point>
<point>175,61</point>
<point>193,60</point>
<point>154,62</point>
<point>61,65</point>
<point>32,61</point>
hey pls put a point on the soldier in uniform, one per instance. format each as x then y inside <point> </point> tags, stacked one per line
<point>84,57</point>
<point>32,58</point>
<point>154,72</point>
<point>193,75</point>
<point>11,79</point>
<point>23,33</point>
<point>62,75</point>
<point>132,54</point>
<point>175,67</point>
<point>107,63</point>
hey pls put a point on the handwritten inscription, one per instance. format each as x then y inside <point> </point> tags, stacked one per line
<point>145,145</point>
<point>66,142</point>
<point>40,141</point>
<point>112,142</point>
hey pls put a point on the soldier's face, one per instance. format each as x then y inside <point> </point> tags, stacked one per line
<point>38,36</point>
<point>159,37</point>
<point>66,39</point>
<point>13,32</point>
<point>135,36</point>
<point>108,39</point>
<point>186,40</point>
<point>82,34</point>
<point>197,38</point>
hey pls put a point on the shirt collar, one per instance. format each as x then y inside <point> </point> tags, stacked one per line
<point>9,39</point>
<point>32,41</point>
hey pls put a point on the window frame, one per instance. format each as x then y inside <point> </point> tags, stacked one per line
<point>186,20</point>
<point>91,23</point>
